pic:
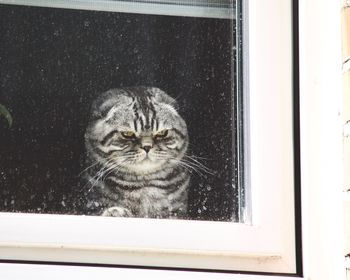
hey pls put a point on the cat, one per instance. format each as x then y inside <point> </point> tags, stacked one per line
<point>135,142</point>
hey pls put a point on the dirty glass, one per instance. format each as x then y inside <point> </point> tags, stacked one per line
<point>84,89</point>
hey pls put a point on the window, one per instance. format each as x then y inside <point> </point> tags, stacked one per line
<point>55,61</point>
<point>65,59</point>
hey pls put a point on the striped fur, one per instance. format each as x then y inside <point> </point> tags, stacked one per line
<point>139,175</point>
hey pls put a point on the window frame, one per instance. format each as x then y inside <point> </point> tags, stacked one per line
<point>271,236</point>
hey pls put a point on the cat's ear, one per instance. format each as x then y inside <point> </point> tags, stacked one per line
<point>105,101</point>
<point>162,97</point>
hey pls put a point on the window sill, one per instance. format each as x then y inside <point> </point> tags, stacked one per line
<point>35,272</point>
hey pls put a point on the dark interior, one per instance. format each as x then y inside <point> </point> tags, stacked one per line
<point>53,63</point>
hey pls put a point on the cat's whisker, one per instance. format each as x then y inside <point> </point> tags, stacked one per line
<point>195,165</point>
<point>96,178</point>
<point>200,167</point>
<point>199,164</point>
<point>105,171</point>
<point>103,174</point>
<point>109,171</point>
<point>93,181</point>
<point>188,166</point>
<point>197,157</point>
<point>94,164</point>
<point>87,168</point>
<point>189,170</point>
<point>115,168</point>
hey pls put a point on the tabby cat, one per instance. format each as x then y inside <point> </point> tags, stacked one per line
<point>135,142</point>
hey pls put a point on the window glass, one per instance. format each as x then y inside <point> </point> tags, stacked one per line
<point>122,114</point>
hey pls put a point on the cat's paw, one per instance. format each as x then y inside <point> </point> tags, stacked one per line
<point>117,212</point>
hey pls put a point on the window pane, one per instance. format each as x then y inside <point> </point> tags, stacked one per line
<point>121,114</point>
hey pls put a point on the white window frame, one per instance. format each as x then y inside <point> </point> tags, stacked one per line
<point>270,239</point>
<point>21,240</point>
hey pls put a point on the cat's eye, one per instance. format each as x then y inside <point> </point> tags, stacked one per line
<point>161,134</point>
<point>128,134</point>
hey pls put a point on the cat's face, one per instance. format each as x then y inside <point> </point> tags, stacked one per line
<point>136,130</point>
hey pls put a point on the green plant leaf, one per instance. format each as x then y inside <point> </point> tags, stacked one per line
<point>5,113</point>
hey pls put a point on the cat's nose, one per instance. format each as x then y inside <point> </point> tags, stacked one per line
<point>147,148</point>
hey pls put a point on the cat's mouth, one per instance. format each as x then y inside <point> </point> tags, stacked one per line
<point>145,166</point>
<point>146,163</point>
<point>147,157</point>
<point>149,160</point>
